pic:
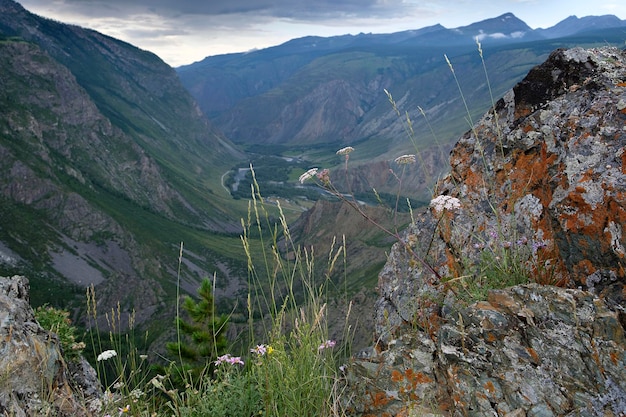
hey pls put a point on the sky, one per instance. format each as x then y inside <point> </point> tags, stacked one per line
<point>185,31</point>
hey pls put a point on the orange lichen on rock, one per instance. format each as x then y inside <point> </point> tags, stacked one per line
<point>474,179</point>
<point>417,377</point>
<point>379,399</point>
<point>534,357</point>
<point>489,387</point>
<point>396,376</point>
<point>529,173</point>
<point>583,269</point>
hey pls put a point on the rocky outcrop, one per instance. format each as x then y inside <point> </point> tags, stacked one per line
<point>536,193</point>
<point>35,379</point>
<point>529,350</point>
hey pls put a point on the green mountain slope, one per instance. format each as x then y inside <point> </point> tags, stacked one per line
<point>106,165</point>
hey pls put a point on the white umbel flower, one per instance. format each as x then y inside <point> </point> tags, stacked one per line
<point>345,151</point>
<point>307,175</point>
<point>106,355</point>
<point>405,159</point>
<point>445,202</point>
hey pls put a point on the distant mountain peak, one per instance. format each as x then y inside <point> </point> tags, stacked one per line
<point>504,27</point>
<point>573,24</point>
<point>506,23</point>
<point>507,16</point>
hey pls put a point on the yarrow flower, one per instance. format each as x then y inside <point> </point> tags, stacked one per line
<point>405,159</point>
<point>307,175</point>
<point>445,202</point>
<point>228,358</point>
<point>329,344</point>
<point>345,151</point>
<point>106,355</point>
<point>259,350</point>
<point>136,394</point>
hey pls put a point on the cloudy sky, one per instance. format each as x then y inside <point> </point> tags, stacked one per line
<point>185,31</point>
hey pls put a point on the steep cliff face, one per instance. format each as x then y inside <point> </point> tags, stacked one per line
<point>536,192</point>
<point>106,165</point>
<point>35,378</point>
<point>60,158</point>
<point>56,125</point>
<point>126,119</point>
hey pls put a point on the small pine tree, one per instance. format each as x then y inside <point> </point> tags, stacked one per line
<point>202,335</point>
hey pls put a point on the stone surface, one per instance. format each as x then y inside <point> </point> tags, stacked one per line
<point>34,378</point>
<point>534,349</point>
<point>541,184</point>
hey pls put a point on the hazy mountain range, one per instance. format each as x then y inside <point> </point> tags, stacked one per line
<point>312,95</point>
<point>109,158</point>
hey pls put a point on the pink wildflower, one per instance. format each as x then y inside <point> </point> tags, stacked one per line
<point>236,360</point>
<point>329,344</point>
<point>259,350</point>
<point>228,358</point>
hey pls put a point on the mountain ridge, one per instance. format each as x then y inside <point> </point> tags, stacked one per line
<point>107,166</point>
<point>330,92</point>
<point>573,23</point>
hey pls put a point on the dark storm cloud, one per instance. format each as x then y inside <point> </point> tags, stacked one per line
<point>185,30</point>
<point>292,9</point>
<point>182,31</point>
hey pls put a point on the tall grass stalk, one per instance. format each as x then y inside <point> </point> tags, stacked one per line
<point>295,361</point>
<point>493,102</point>
<point>410,134</point>
<point>123,371</point>
<point>178,336</point>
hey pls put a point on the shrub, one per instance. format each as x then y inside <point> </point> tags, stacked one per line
<point>58,322</point>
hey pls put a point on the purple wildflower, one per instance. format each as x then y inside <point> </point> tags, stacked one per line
<point>538,244</point>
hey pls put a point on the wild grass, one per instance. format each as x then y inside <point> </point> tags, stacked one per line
<point>286,363</point>
<point>296,363</point>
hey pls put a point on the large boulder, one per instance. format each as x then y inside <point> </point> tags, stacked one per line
<point>538,183</point>
<point>34,378</point>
